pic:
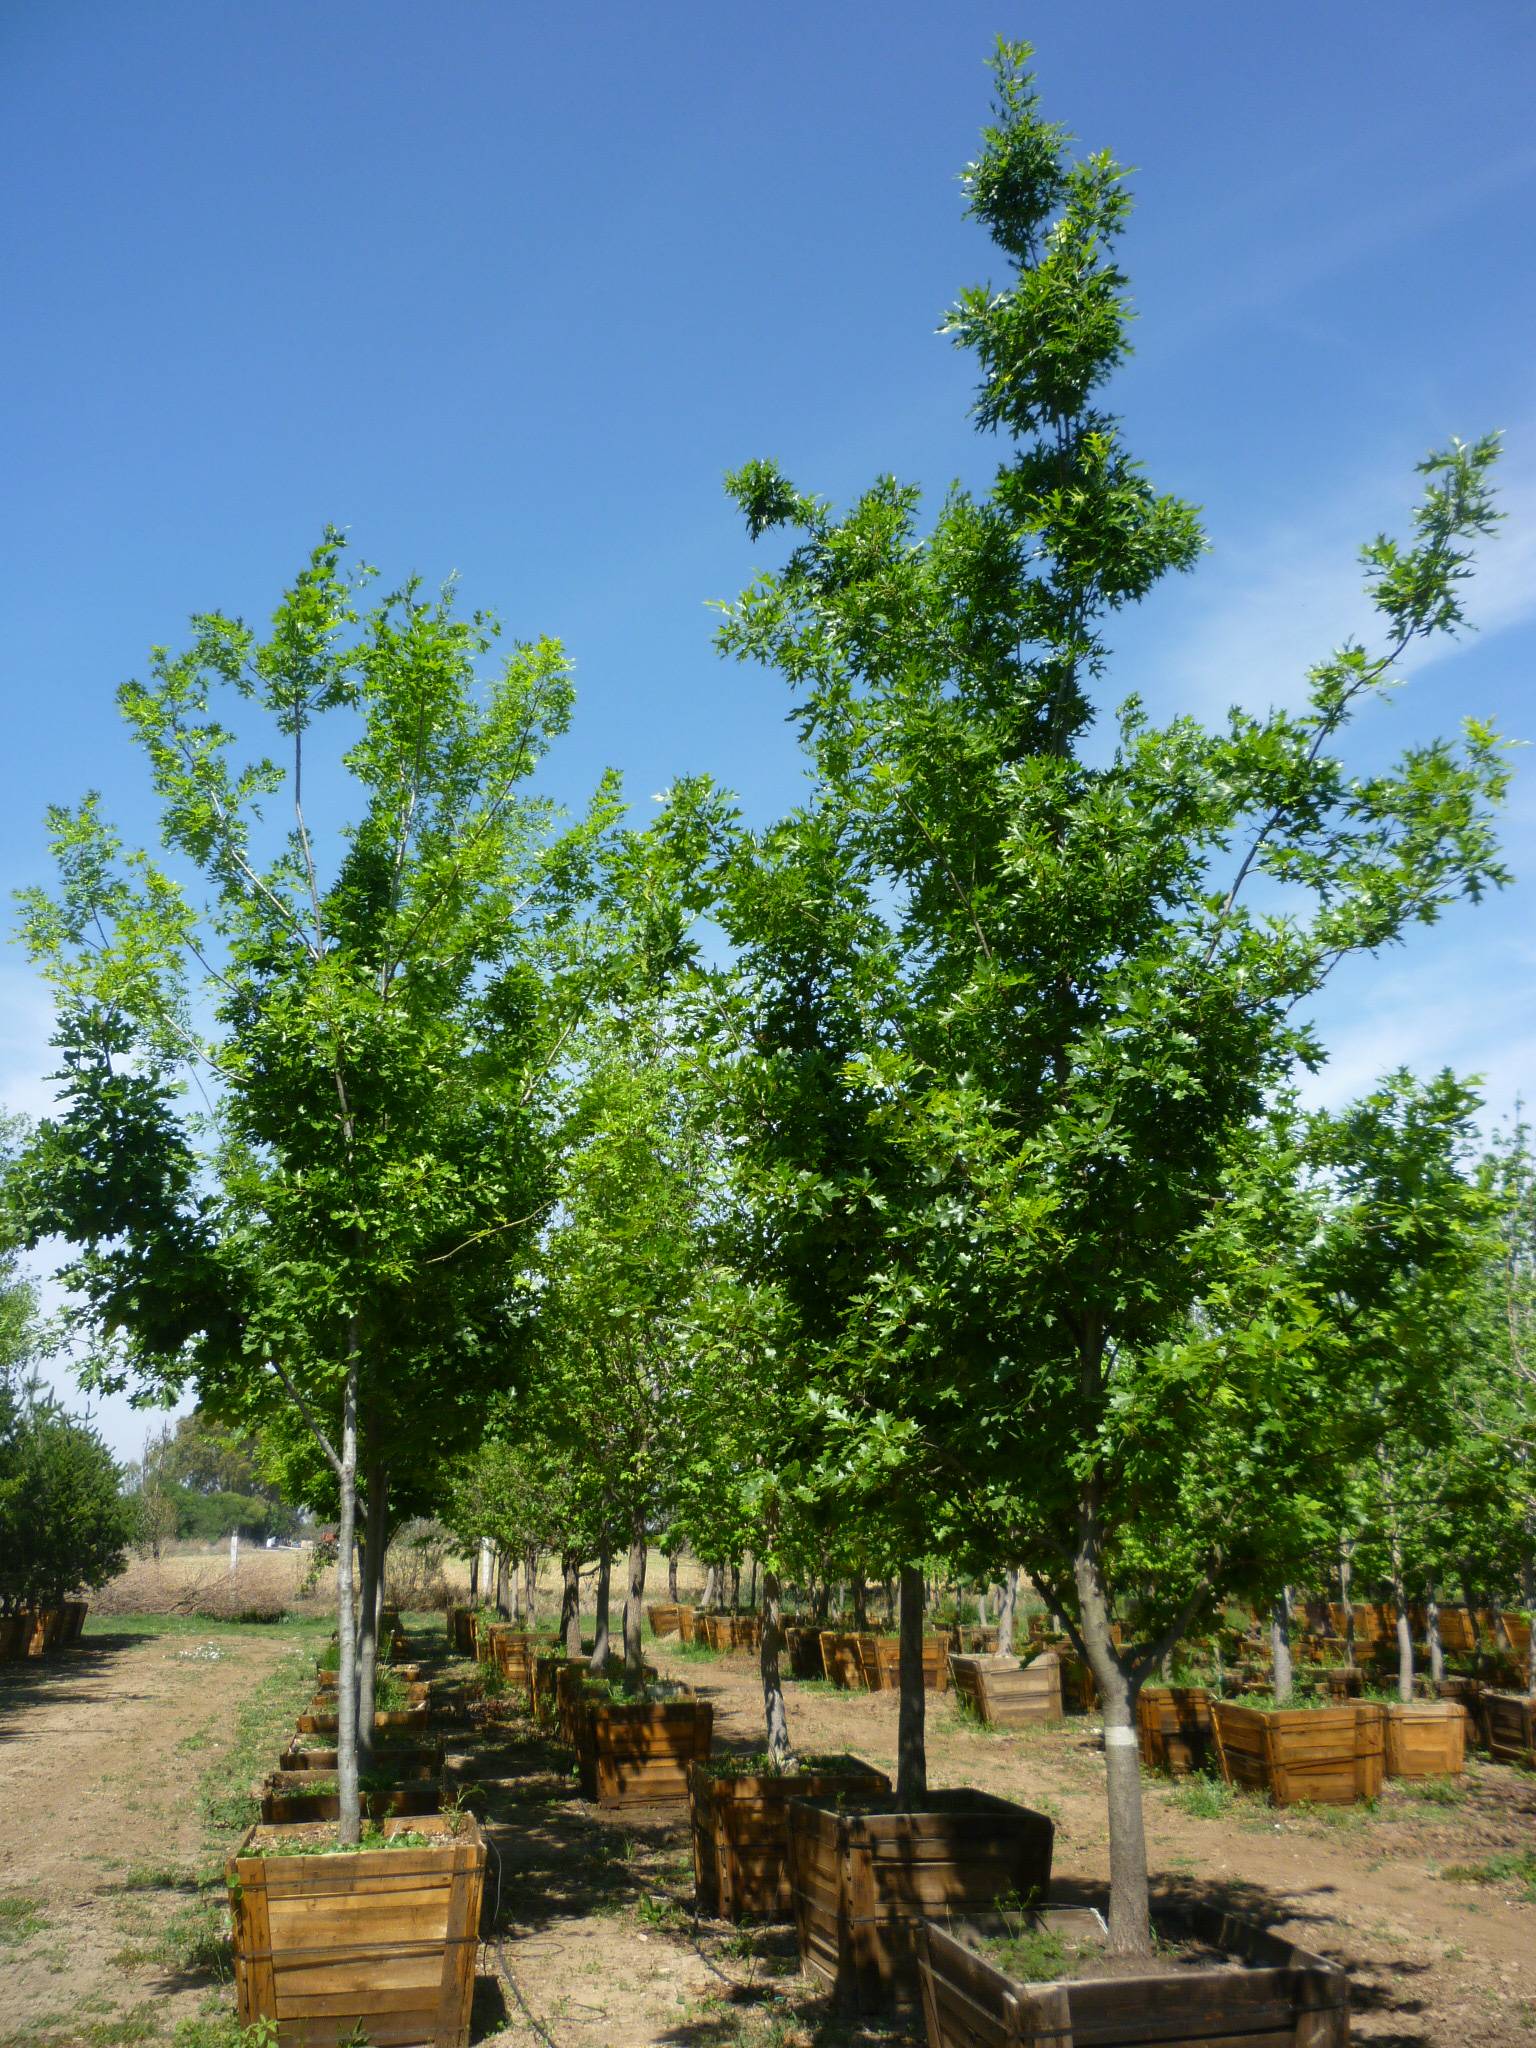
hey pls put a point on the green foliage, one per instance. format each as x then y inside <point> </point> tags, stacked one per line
<point>64,1523</point>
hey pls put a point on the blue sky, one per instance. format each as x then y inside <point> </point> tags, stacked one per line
<point>505,291</point>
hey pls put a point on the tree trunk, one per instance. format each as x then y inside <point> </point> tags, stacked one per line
<point>1130,1922</point>
<point>1432,1639</point>
<point>707,1597</point>
<point>517,1597</point>
<point>503,1605</point>
<point>860,1603</point>
<point>736,1586</point>
<point>570,1602</point>
<point>349,1827</point>
<point>1528,1596</point>
<point>752,1586</point>
<point>770,1648</point>
<point>983,1608</point>
<point>1346,1574</point>
<point>822,1600</point>
<point>375,1536</point>
<point>530,1586</point>
<point>1284,1677</point>
<point>1399,1590</point>
<point>911,1743</point>
<point>672,1576</point>
<point>888,1595</point>
<point>600,1631</point>
<point>634,1596</point>
<point>1008,1613</point>
<point>474,1575</point>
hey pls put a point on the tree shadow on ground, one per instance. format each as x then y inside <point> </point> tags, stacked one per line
<point>61,1678</point>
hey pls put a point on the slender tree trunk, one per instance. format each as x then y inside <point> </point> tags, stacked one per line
<point>1008,1613</point>
<point>1130,1918</point>
<point>1528,1596</point>
<point>1346,1575</point>
<point>1284,1677</point>
<point>752,1585</point>
<point>530,1586</point>
<point>474,1575</point>
<point>634,1613</point>
<point>349,1827</point>
<point>1432,1640</point>
<point>1399,1590</point>
<point>570,1602</point>
<point>889,1596</point>
<point>860,1603</point>
<point>911,1745</point>
<point>770,1649</point>
<point>600,1631</point>
<point>983,1608</point>
<point>503,1604</point>
<point>672,1576</point>
<point>707,1598</point>
<point>736,1585</point>
<point>375,1537</point>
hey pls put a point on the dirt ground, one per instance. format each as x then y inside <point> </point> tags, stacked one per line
<point>101,1749</point>
<point>594,1939</point>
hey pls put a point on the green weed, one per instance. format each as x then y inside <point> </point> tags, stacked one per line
<point>1514,1866</point>
<point>20,1918</point>
<point>1204,1798</point>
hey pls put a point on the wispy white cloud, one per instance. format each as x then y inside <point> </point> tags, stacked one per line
<point>1265,609</point>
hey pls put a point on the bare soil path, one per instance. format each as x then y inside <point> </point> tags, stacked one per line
<point>101,1749</point>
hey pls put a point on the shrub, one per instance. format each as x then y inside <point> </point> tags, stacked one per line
<point>64,1523</point>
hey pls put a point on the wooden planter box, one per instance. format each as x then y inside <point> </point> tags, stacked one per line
<point>879,1660</point>
<point>665,1618</point>
<point>1426,1740</point>
<point>285,1799</point>
<point>1173,1723</point>
<point>741,1832</point>
<point>460,1635</point>
<point>1510,1719</point>
<point>384,1939</point>
<point>637,1754</point>
<point>514,1651</point>
<point>1330,1756</point>
<point>732,1631</point>
<point>1467,1694</point>
<point>408,1674</point>
<point>840,1660</point>
<point>15,1634</point>
<point>803,1647</point>
<point>1079,1692</point>
<point>1270,1996</point>
<point>321,1721</point>
<point>405,1759</point>
<point>973,1641</point>
<point>688,1624</point>
<point>865,1877</point>
<point>1342,1681</point>
<point>1006,1694</point>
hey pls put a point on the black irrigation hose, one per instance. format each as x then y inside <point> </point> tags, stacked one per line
<point>505,1967</point>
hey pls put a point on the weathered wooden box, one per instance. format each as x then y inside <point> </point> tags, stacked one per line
<point>1426,1739</point>
<point>1271,1995</point>
<point>1328,1756</point>
<point>1006,1694</point>
<point>1510,1721</point>
<point>741,1831</point>
<point>286,1798</point>
<point>864,1877</point>
<point>664,1618</point>
<point>636,1753</point>
<point>1173,1724</point>
<point>378,1939</point>
<point>840,1660</point>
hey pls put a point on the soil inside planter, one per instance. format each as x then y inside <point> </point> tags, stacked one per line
<point>1056,1943</point>
<point>318,1837</point>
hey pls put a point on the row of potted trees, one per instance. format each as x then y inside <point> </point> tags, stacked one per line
<point>35,1631</point>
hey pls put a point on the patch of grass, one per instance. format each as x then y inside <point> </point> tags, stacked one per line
<point>1204,1798</point>
<point>1436,1791</point>
<point>1515,1867</point>
<point>299,1627</point>
<point>223,2030</point>
<point>21,1916</point>
<point>157,1877</point>
<point>224,1792</point>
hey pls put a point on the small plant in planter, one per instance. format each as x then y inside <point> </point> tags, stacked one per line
<point>1040,1977</point>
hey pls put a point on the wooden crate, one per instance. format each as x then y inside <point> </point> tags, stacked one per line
<point>840,1660</point>
<point>664,1618</point>
<point>740,1831</point>
<point>1328,1756</point>
<point>381,1938</point>
<point>15,1634</point>
<point>1173,1724</point>
<point>1426,1739</point>
<point>460,1634</point>
<point>1510,1719</point>
<point>515,1650</point>
<point>1271,1995</point>
<point>1467,1694</point>
<point>688,1624</point>
<point>864,1877</point>
<point>1079,1692</point>
<point>879,1658</point>
<point>731,1632</point>
<point>637,1753</point>
<point>404,1759</point>
<point>803,1649</point>
<point>285,1799</point>
<point>322,1721</point>
<point>972,1640</point>
<point>545,1670</point>
<point>1006,1694</point>
<point>1341,1682</point>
